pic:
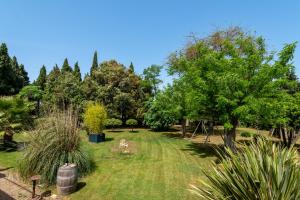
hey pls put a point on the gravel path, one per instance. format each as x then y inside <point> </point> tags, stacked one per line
<point>11,188</point>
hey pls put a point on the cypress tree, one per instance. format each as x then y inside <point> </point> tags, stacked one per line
<point>131,67</point>
<point>21,76</point>
<point>66,67</point>
<point>95,63</point>
<point>7,74</point>
<point>41,80</point>
<point>24,75</point>
<point>76,71</point>
<point>18,82</point>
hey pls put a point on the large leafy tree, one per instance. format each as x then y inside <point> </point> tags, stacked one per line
<point>234,75</point>
<point>63,91</point>
<point>117,88</point>
<point>160,114</point>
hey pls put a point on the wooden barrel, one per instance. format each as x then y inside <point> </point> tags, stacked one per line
<point>66,179</point>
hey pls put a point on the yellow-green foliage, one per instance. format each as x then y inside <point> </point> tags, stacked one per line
<point>94,117</point>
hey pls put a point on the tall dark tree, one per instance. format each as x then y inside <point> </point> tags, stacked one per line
<point>131,67</point>
<point>7,74</point>
<point>76,71</point>
<point>24,75</point>
<point>41,80</point>
<point>21,76</point>
<point>95,63</point>
<point>66,67</point>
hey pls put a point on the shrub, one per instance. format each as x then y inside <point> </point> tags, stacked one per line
<point>113,122</point>
<point>94,117</point>
<point>246,134</point>
<point>132,123</point>
<point>259,171</point>
<point>54,142</point>
<point>14,111</point>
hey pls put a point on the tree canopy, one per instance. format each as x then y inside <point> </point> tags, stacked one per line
<point>12,74</point>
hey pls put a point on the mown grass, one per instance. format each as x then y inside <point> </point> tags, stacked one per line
<point>162,167</point>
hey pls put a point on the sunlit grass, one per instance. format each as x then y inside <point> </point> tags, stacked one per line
<point>163,167</point>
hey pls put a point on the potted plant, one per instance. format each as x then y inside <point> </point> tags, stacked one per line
<point>94,118</point>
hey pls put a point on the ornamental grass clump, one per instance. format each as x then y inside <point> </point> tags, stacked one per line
<point>54,142</point>
<point>261,171</point>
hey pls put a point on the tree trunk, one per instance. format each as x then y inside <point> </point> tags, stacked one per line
<point>230,136</point>
<point>8,136</point>
<point>183,127</point>
<point>211,128</point>
<point>38,108</point>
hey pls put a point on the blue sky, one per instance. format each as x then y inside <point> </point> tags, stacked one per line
<point>144,32</point>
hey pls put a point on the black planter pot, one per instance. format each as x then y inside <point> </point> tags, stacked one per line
<point>96,138</point>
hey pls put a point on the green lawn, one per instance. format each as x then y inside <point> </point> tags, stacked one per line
<point>162,167</point>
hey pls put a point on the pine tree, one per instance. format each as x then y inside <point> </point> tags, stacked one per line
<point>18,81</point>
<point>24,75</point>
<point>77,72</point>
<point>66,67</point>
<point>131,68</point>
<point>95,63</point>
<point>41,80</point>
<point>7,74</point>
<point>21,76</point>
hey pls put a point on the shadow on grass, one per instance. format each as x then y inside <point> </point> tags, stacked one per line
<point>173,135</point>
<point>134,131</point>
<point>108,139</point>
<point>12,146</point>
<point>115,131</point>
<point>204,150</point>
<point>80,185</point>
<point>4,169</point>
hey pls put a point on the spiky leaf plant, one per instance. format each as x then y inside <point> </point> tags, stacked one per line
<point>260,171</point>
<point>54,142</point>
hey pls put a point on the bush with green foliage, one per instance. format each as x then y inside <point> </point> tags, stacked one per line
<point>260,171</point>
<point>131,123</point>
<point>113,123</point>
<point>94,117</point>
<point>159,115</point>
<point>246,134</point>
<point>54,142</point>
<point>15,110</point>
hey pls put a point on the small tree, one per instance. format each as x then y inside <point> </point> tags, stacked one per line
<point>113,122</point>
<point>32,93</point>
<point>94,117</point>
<point>131,123</point>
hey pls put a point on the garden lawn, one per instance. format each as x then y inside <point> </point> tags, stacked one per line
<point>162,167</point>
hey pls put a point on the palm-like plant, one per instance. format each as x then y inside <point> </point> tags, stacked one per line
<point>260,171</point>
